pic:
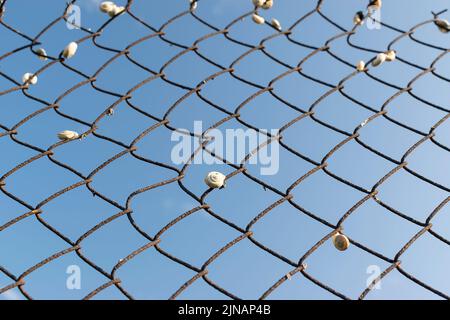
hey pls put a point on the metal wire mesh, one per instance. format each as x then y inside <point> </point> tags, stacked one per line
<point>85,181</point>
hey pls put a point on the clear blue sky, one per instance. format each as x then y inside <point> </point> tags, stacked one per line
<point>245,270</point>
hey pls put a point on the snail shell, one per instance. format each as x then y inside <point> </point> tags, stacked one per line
<point>268,4</point>
<point>258,19</point>
<point>258,3</point>
<point>341,242</point>
<point>70,50</point>
<point>443,25</point>
<point>29,78</point>
<point>215,180</point>
<point>381,57</point>
<point>276,24</point>
<point>358,19</point>
<point>390,55</point>
<point>361,66</point>
<point>107,6</point>
<point>68,135</point>
<point>42,54</point>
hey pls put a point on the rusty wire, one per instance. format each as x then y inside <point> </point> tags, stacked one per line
<point>300,266</point>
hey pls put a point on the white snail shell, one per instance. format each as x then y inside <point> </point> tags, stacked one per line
<point>390,55</point>
<point>258,19</point>
<point>276,24</point>
<point>381,57</point>
<point>116,11</point>
<point>70,50</point>
<point>215,179</point>
<point>443,25</point>
<point>42,54</point>
<point>107,6</point>
<point>258,3</point>
<point>268,4</point>
<point>341,242</point>
<point>68,135</point>
<point>361,66</point>
<point>29,78</point>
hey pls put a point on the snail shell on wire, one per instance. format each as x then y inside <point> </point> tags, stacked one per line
<point>116,11</point>
<point>194,4</point>
<point>381,57</point>
<point>107,6</point>
<point>42,54</point>
<point>374,4</point>
<point>29,78</point>
<point>268,4</point>
<point>258,3</point>
<point>70,50</point>
<point>341,242</point>
<point>68,135</point>
<point>258,19</point>
<point>358,19</point>
<point>215,180</point>
<point>276,24</point>
<point>391,55</point>
<point>443,25</point>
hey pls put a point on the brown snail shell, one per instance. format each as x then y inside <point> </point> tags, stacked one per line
<point>341,242</point>
<point>443,25</point>
<point>391,55</point>
<point>107,6</point>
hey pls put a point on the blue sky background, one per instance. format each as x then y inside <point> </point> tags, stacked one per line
<point>245,270</point>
